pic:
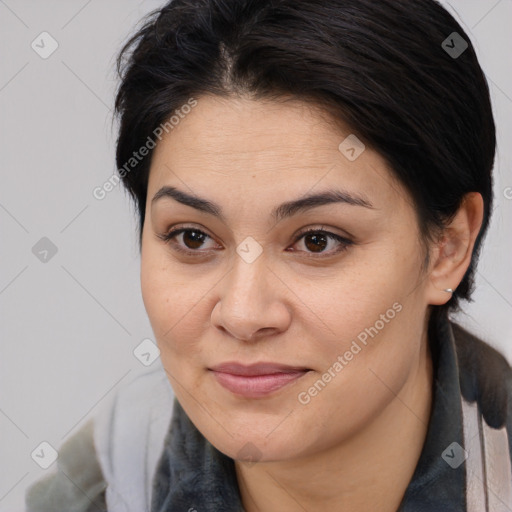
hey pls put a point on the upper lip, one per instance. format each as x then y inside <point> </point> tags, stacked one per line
<point>264,368</point>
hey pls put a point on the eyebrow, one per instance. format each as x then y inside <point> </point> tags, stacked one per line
<point>282,211</point>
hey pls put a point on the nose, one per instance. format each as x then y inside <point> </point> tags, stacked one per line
<point>252,302</point>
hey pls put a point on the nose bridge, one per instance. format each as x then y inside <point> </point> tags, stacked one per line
<point>247,280</point>
<point>247,304</point>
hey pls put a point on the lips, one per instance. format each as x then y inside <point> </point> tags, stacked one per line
<point>256,380</point>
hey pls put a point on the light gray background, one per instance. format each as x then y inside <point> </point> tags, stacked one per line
<point>69,326</point>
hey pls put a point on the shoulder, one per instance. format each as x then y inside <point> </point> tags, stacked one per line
<point>486,385</point>
<point>485,376</point>
<point>113,456</point>
<point>130,431</point>
<point>76,484</point>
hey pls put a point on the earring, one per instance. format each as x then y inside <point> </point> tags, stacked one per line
<point>448,290</point>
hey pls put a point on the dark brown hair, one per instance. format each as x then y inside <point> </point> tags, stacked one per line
<point>379,66</point>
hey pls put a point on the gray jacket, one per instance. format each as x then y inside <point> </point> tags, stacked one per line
<point>143,454</point>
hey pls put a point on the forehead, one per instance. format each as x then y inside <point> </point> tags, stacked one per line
<point>245,128</point>
<point>229,146</point>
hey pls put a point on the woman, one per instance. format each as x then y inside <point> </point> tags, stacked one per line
<point>313,182</point>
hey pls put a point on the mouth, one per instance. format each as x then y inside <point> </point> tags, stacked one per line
<point>257,380</point>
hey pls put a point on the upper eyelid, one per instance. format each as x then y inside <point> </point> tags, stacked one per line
<point>301,232</point>
<point>319,227</point>
<point>175,232</point>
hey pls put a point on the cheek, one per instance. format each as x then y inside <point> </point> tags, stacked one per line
<point>173,304</point>
<point>155,292</point>
<point>355,299</point>
<point>159,294</point>
<point>372,317</point>
<point>367,365</point>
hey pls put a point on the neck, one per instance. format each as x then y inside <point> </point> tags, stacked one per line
<point>369,472</point>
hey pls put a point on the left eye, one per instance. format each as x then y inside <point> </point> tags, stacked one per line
<point>315,240</point>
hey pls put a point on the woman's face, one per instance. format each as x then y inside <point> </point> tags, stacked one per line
<point>339,314</point>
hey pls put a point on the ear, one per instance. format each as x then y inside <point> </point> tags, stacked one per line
<point>451,255</point>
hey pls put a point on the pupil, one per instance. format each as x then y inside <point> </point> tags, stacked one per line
<point>190,242</point>
<point>316,238</point>
<point>314,242</point>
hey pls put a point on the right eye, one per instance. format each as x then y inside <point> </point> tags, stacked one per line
<point>191,240</point>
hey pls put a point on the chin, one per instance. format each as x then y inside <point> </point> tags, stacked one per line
<point>257,439</point>
<point>256,447</point>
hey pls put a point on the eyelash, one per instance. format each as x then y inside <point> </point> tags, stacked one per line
<point>345,242</point>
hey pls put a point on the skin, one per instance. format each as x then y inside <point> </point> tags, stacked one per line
<point>294,306</point>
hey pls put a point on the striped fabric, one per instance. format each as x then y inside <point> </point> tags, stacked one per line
<point>145,455</point>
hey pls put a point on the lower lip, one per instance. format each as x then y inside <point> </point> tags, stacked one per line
<point>256,386</point>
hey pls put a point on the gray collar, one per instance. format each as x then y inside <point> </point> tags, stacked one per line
<point>192,474</point>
